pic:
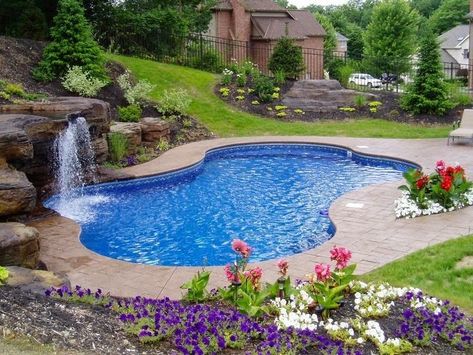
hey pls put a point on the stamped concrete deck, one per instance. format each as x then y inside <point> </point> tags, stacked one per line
<point>371,232</point>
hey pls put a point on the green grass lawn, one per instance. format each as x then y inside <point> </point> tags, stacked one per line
<point>226,121</point>
<point>434,271</point>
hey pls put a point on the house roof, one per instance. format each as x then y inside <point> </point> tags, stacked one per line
<point>251,5</point>
<point>299,25</point>
<point>454,37</point>
<point>341,37</point>
<point>445,57</point>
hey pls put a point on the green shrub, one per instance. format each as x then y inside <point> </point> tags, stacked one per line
<point>163,145</point>
<point>3,84</point>
<point>287,56</point>
<point>359,100</point>
<point>117,146</point>
<point>209,60</point>
<point>241,79</point>
<point>3,275</point>
<point>4,95</point>
<point>248,68</point>
<point>130,113</point>
<point>457,95</point>
<point>264,88</point>
<point>174,101</point>
<point>81,82</point>
<point>344,73</point>
<point>14,89</point>
<point>428,93</point>
<point>72,44</point>
<point>134,94</point>
<point>279,77</point>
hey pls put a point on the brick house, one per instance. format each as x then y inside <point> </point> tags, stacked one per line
<point>259,24</point>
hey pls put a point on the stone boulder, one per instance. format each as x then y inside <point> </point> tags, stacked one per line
<point>19,245</point>
<point>321,96</point>
<point>132,132</point>
<point>17,193</point>
<point>36,281</point>
<point>154,128</point>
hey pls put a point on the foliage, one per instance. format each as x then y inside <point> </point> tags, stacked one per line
<point>14,89</point>
<point>225,121</point>
<point>449,14</point>
<point>196,288</point>
<point>72,45</point>
<point>241,79</point>
<point>287,56</point>
<point>426,7</point>
<point>447,186</point>
<point>82,82</point>
<point>174,101</point>
<point>204,58</point>
<point>227,77</point>
<point>330,39</point>
<point>360,100</point>
<point>428,93</point>
<point>117,146</point>
<point>3,275</point>
<point>344,73</point>
<point>130,113</point>
<point>135,94</point>
<point>458,94</point>
<point>390,39</point>
<point>264,88</point>
<point>279,77</point>
<point>163,145</point>
<point>24,19</point>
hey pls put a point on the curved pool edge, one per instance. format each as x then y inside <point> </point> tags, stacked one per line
<point>373,235</point>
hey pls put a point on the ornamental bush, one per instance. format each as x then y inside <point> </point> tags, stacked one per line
<point>72,45</point>
<point>131,113</point>
<point>175,101</point>
<point>444,190</point>
<point>287,57</point>
<point>82,82</point>
<point>135,94</point>
<point>264,88</point>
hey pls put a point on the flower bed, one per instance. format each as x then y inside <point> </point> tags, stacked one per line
<point>329,313</point>
<point>445,190</point>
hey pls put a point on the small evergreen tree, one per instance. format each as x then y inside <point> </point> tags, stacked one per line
<point>287,57</point>
<point>72,45</point>
<point>429,93</point>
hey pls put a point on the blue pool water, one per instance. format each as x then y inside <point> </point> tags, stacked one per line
<point>275,197</point>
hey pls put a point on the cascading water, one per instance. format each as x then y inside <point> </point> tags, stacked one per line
<point>75,158</point>
<point>74,167</point>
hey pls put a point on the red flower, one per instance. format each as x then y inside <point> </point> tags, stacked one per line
<point>254,275</point>
<point>421,182</point>
<point>459,170</point>
<point>440,166</point>
<point>450,170</point>
<point>283,265</point>
<point>446,183</point>
<point>322,271</point>
<point>231,274</point>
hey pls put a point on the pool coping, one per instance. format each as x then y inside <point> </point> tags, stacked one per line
<point>379,239</point>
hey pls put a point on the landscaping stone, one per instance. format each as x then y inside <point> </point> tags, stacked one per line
<point>132,132</point>
<point>17,194</point>
<point>100,147</point>
<point>19,245</point>
<point>321,96</point>
<point>154,128</point>
<point>36,281</point>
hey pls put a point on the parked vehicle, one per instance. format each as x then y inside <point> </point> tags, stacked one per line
<point>364,80</point>
<point>388,78</point>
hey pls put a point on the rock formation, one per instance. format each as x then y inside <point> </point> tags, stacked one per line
<point>19,245</point>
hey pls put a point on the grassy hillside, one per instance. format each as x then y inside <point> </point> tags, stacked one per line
<point>226,121</point>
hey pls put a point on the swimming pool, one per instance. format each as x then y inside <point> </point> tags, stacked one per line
<point>273,196</point>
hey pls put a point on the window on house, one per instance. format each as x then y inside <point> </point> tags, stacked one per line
<point>466,54</point>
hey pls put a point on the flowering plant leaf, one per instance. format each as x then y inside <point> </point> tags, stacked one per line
<point>196,288</point>
<point>3,275</point>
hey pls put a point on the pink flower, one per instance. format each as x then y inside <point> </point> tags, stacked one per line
<point>322,271</point>
<point>239,246</point>
<point>283,265</point>
<point>341,255</point>
<point>230,273</point>
<point>440,166</point>
<point>254,275</point>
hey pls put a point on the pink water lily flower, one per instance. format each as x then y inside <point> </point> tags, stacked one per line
<point>322,272</point>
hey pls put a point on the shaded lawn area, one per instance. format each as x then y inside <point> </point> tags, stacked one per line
<point>227,121</point>
<point>435,271</point>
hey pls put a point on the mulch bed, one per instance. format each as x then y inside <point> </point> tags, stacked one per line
<point>389,110</point>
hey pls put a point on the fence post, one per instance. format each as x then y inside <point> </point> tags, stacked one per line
<point>201,50</point>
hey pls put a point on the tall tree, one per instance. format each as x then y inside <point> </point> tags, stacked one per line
<point>426,7</point>
<point>428,94</point>
<point>22,18</point>
<point>72,44</point>
<point>330,39</point>
<point>285,4</point>
<point>450,14</point>
<point>390,39</point>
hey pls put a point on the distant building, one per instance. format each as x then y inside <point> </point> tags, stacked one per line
<point>342,44</point>
<point>259,24</point>
<point>455,51</point>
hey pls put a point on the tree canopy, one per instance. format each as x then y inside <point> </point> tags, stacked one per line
<point>450,14</point>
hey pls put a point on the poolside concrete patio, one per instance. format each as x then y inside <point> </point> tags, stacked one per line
<point>364,219</point>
